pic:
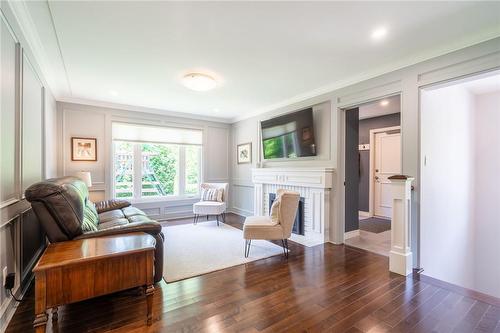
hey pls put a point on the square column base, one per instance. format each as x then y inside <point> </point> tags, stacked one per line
<point>401,263</point>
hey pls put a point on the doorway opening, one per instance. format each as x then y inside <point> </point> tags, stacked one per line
<point>372,155</point>
<point>460,188</point>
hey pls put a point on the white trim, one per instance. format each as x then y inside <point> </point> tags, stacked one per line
<point>240,211</point>
<point>145,109</point>
<point>363,213</point>
<point>371,188</point>
<point>351,234</point>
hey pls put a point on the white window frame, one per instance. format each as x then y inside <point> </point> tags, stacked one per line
<point>137,175</point>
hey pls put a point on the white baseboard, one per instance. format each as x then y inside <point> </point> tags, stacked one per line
<point>239,211</point>
<point>351,234</point>
<point>364,214</point>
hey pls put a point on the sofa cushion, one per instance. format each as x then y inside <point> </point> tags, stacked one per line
<point>112,223</point>
<point>64,199</point>
<point>132,211</point>
<point>110,215</point>
<point>139,218</point>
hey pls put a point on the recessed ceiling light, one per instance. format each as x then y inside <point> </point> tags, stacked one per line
<point>113,93</point>
<point>216,110</point>
<point>384,102</point>
<point>379,33</point>
<point>199,82</point>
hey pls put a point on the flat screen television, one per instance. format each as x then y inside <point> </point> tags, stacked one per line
<point>289,136</point>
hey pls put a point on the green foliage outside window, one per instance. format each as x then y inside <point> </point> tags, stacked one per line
<point>163,161</point>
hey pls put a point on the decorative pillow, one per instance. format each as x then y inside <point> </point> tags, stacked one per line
<point>211,194</point>
<point>90,217</point>
<point>275,211</point>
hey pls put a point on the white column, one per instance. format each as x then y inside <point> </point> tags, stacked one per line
<point>400,257</point>
<point>258,200</point>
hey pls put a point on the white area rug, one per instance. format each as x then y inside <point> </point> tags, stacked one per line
<point>192,250</point>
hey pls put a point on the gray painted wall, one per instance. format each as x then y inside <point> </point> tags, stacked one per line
<point>365,126</point>
<point>406,81</point>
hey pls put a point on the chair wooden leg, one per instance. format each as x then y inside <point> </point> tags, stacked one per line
<point>194,219</point>
<point>217,217</point>
<point>207,217</point>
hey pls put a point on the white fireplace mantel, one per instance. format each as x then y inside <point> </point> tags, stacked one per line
<point>313,184</point>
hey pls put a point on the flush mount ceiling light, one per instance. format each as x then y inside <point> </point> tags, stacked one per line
<point>384,102</point>
<point>199,82</point>
<point>379,33</point>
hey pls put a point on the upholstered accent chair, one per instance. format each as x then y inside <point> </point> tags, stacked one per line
<point>65,212</point>
<point>277,226</point>
<point>216,207</point>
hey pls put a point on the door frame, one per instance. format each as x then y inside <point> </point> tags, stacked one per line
<point>342,109</point>
<point>371,187</point>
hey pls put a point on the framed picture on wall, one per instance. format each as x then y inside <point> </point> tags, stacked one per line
<point>244,152</point>
<point>83,149</point>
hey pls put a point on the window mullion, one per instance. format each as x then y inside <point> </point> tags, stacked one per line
<point>137,171</point>
<point>182,170</point>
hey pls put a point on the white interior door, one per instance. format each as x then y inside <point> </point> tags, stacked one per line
<point>387,163</point>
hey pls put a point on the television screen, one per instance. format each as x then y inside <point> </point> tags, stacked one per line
<point>289,136</point>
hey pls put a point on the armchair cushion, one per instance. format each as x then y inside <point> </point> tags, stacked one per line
<point>209,208</point>
<point>111,204</point>
<point>261,227</point>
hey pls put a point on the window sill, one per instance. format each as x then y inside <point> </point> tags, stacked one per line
<point>164,199</point>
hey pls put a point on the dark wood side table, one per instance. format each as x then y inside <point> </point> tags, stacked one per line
<point>76,270</point>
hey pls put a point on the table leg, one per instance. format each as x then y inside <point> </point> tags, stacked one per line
<point>149,299</point>
<point>40,321</point>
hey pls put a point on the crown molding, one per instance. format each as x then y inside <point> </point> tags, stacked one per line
<point>125,107</point>
<point>36,47</point>
<point>330,88</point>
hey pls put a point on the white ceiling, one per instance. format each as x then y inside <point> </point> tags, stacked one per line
<point>375,109</point>
<point>263,54</point>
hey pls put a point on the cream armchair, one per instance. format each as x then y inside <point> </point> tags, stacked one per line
<point>267,228</point>
<point>214,208</point>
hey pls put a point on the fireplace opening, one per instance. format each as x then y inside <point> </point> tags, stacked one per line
<point>298,225</point>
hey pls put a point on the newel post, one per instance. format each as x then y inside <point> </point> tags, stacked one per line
<point>400,256</point>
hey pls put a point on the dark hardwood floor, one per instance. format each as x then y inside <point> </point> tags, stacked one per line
<point>327,288</point>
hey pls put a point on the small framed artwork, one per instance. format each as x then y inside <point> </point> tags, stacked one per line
<point>83,149</point>
<point>244,152</point>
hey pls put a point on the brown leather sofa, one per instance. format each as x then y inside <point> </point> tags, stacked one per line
<point>60,205</point>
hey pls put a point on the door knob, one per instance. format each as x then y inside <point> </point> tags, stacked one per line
<point>376,177</point>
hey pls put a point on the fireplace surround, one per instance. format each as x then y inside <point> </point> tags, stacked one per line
<point>315,187</point>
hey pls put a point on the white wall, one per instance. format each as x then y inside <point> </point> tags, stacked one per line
<point>460,188</point>
<point>487,193</point>
<point>76,120</point>
<point>447,203</point>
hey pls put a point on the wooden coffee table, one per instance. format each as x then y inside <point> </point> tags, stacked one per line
<point>77,270</point>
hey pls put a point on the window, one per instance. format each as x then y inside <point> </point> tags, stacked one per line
<point>152,162</point>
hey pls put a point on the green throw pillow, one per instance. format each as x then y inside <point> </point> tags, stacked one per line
<point>90,217</point>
